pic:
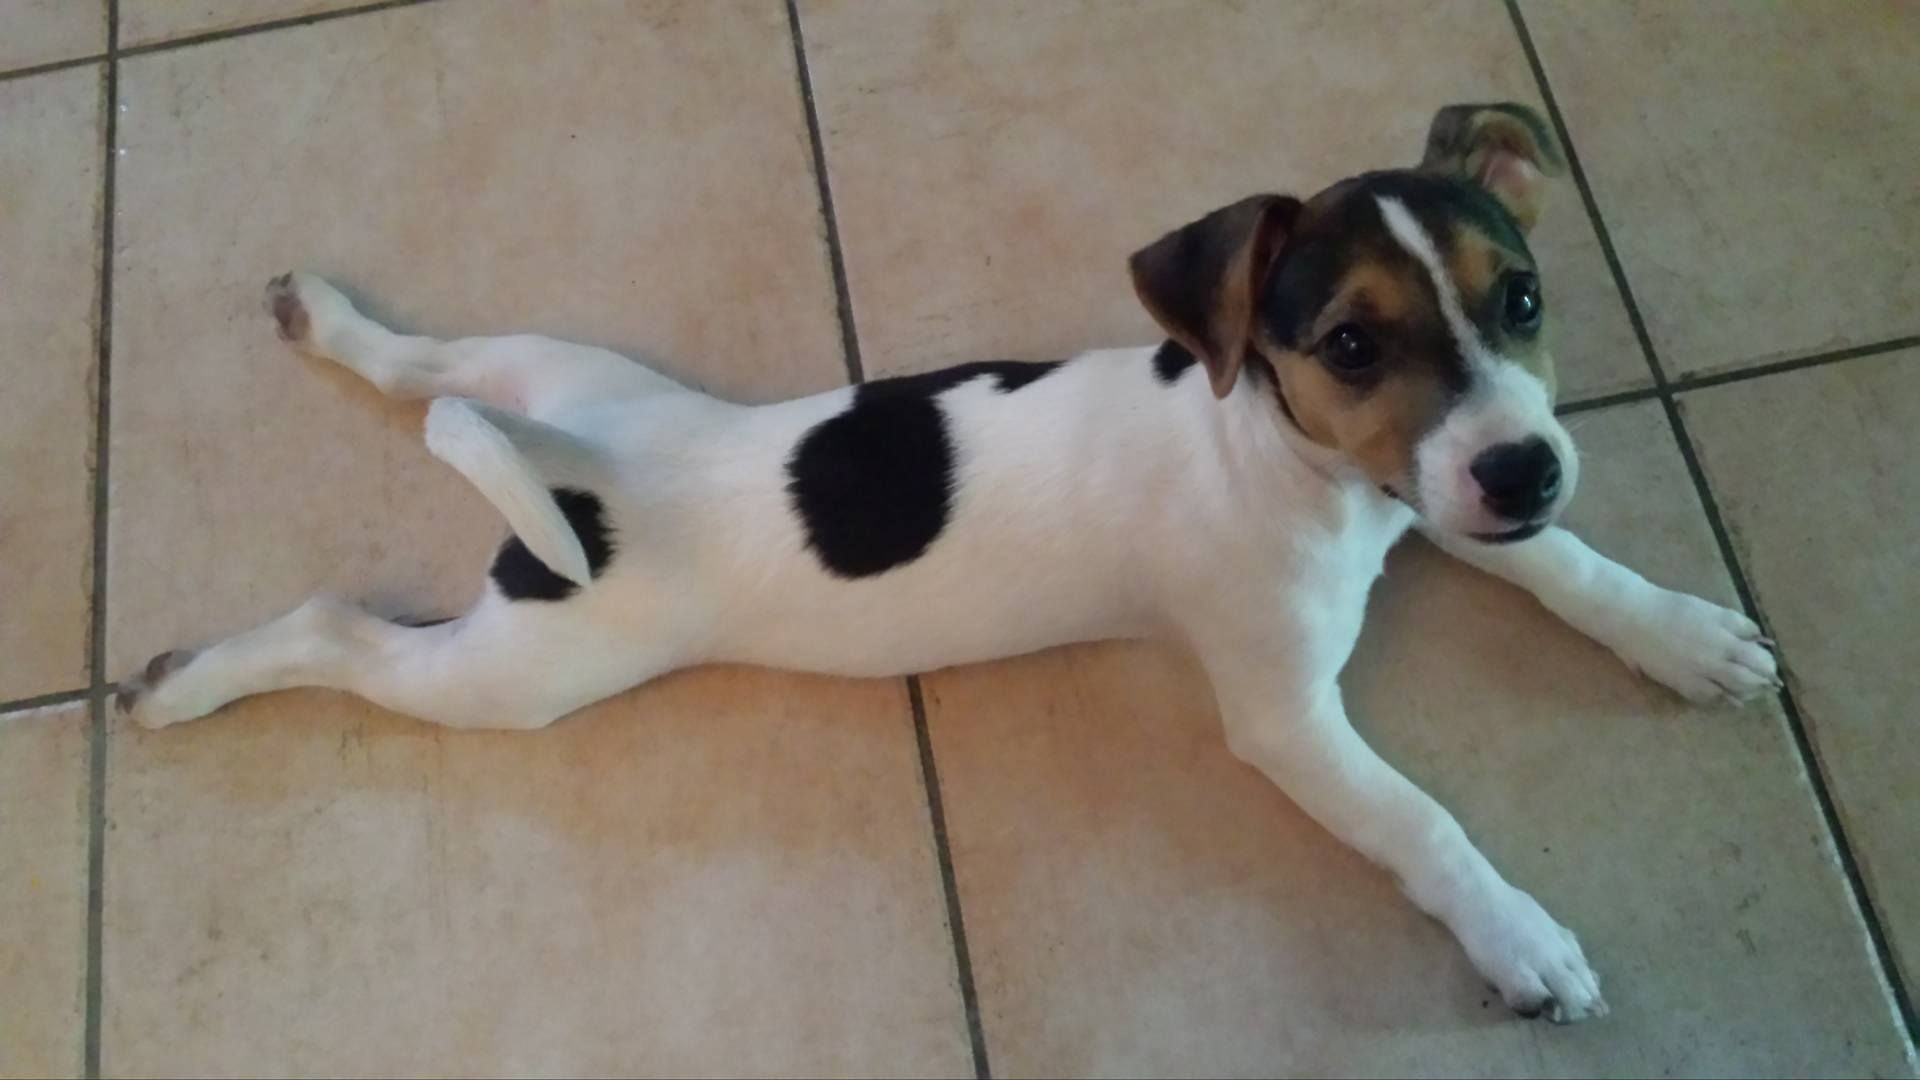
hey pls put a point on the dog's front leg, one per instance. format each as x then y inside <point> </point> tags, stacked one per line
<point>1703,651</point>
<point>1302,741</point>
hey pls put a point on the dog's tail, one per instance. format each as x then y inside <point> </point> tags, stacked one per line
<point>513,461</point>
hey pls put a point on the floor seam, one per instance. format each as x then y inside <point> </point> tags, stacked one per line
<point>1607,251</point>
<point>50,67</point>
<point>206,37</point>
<point>949,880</point>
<point>44,701</point>
<point>1799,363</point>
<point>842,296</point>
<point>922,735</point>
<point>1665,392</point>
<point>1688,383</point>
<point>1607,400</point>
<point>97,685</point>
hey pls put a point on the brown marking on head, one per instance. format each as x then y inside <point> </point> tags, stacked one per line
<point>1481,270</point>
<point>1201,282</point>
<point>1505,148</point>
<point>1349,320</point>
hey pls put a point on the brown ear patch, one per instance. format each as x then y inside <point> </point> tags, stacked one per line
<point>1202,282</point>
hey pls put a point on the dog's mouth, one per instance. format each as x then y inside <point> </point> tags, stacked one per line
<point>1512,536</point>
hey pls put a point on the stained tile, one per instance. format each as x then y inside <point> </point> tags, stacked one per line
<point>994,164</point>
<point>143,22</point>
<point>1136,901</point>
<point>49,247</point>
<point>1755,166</point>
<point>43,890</point>
<point>48,31</point>
<point>731,872</point>
<point>1815,473</point>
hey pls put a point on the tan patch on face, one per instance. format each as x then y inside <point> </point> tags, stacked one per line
<point>1375,428</point>
<point>1372,291</point>
<point>1478,267</point>
<point>1474,263</point>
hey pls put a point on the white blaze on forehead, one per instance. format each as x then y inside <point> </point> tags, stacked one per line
<point>1413,237</point>
<point>1507,404</point>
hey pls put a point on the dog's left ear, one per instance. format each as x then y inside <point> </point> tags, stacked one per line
<point>1201,283</point>
<point>1507,149</point>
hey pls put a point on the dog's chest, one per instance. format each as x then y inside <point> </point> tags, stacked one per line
<point>1324,594</point>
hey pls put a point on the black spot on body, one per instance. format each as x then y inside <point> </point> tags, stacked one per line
<point>520,576</point>
<point>1009,375</point>
<point>874,485</point>
<point>1172,361</point>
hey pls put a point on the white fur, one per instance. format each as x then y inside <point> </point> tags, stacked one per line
<point>1095,502</point>
<point>458,434</point>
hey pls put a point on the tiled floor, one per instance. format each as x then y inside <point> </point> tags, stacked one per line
<point>738,871</point>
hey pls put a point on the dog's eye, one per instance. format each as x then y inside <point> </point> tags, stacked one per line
<point>1348,350</point>
<point>1523,301</point>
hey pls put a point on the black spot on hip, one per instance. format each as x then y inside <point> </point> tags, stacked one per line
<point>874,485</point>
<point>520,576</point>
<point>1171,362</point>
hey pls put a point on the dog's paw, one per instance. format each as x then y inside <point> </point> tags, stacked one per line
<point>1702,651</point>
<point>304,307</point>
<point>1532,961</point>
<point>152,698</point>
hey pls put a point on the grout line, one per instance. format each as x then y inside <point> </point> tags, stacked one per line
<point>43,701</point>
<point>1803,740</point>
<point>1605,401</point>
<point>1686,383</point>
<point>1664,392</point>
<point>849,340</point>
<point>250,29</point>
<point>922,736</point>
<point>949,881</point>
<point>1798,363</point>
<point>97,615</point>
<point>1579,172</point>
<point>50,67</point>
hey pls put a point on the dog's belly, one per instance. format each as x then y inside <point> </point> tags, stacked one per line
<point>879,648</point>
<point>937,613</point>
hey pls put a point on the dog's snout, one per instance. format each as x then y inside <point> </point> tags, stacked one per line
<point>1518,479</point>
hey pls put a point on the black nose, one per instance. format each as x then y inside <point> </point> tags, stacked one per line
<point>1519,479</point>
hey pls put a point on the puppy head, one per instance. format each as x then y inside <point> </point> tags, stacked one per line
<point>1398,318</point>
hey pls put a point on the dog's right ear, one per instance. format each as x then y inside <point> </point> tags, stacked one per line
<point>1202,282</point>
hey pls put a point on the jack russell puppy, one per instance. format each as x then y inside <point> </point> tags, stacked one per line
<point>1338,370</point>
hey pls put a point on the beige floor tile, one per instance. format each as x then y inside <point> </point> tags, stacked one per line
<point>44,31</point>
<point>467,168</point>
<point>1816,475</point>
<point>731,873</point>
<point>49,251</point>
<point>1136,901</point>
<point>1754,163</point>
<point>143,22</point>
<point>43,890</point>
<point>993,165</point>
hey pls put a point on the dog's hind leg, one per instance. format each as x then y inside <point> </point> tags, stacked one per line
<point>524,372</point>
<point>505,664</point>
